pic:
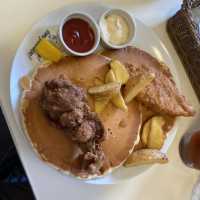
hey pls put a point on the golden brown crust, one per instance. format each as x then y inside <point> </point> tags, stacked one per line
<point>162,95</point>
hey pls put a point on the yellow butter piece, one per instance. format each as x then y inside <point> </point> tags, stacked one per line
<point>48,51</point>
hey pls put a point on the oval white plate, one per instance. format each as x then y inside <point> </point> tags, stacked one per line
<point>145,39</point>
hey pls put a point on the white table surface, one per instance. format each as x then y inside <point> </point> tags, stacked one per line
<point>172,181</point>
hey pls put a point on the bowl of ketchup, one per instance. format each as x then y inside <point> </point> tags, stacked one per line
<point>79,34</point>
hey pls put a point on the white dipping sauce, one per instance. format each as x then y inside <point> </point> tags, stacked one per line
<point>115,29</point>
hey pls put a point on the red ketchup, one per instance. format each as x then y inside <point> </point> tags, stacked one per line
<point>78,35</point>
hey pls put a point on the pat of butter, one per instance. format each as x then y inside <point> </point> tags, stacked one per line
<point>115,29</point>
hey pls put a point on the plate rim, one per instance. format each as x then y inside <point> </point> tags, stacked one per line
<point>26,37</point>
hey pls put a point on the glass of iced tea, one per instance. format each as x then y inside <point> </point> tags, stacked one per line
<point>189,149</point>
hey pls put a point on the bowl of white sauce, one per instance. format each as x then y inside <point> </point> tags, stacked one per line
<point>117,28</point>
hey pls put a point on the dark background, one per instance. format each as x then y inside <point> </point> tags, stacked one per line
<point>14,184</point>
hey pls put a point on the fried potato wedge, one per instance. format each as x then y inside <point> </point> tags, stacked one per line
<point>108,89</point>
<point>146,156</point>
<point>98,82</point>
<point>100,103</point>
<point>117,100</point>
<point>136,88</point>
<point>110,76</point>
<point>145,132</point>
<point>156,135</point>
<point>120,71</point>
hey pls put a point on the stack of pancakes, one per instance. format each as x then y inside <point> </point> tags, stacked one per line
<point>53,144</point>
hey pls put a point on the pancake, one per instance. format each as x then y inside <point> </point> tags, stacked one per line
<point>51,143</point>
<point>161,95</point>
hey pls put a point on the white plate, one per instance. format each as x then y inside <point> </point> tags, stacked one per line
<point>145,39</point>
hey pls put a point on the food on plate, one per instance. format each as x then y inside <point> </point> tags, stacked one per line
<point>70,122</point>
<point>48,51</point>
<point>108,89</point>
<point>78,35</point>
<point>146,156</point>
<point>161,95</point>
<point>65,105</point>
<point>98,82</point>
<point>100,103</point>
<point>115,29</point>
<point>60,122</point>
<point>119,102</point>
<point>145,132</point>
<point>110,76</point>
<point>50,35</point>
<point>153,133</point>
<point>25,82</point>
<point>123,132</point>
<point>117,99</point>
<point>156,135</point>
<point>133,89</point>
<point>120,71</point>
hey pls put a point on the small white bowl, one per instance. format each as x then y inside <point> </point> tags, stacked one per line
<point>93,25</point>
<point>131,24</point>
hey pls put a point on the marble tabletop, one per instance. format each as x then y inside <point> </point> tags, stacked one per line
<point>173,181</point>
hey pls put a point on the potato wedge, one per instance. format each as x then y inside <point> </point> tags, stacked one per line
<point>98,81</point>
<point>110,76</point>
<point>146,156</point>
<point>138,87</point>
<point>100,104</point>
<point>119,102</point>
<point>120,71</point>
<point>108,89</point>
<point>156,135</point>
<point>145,132</point>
